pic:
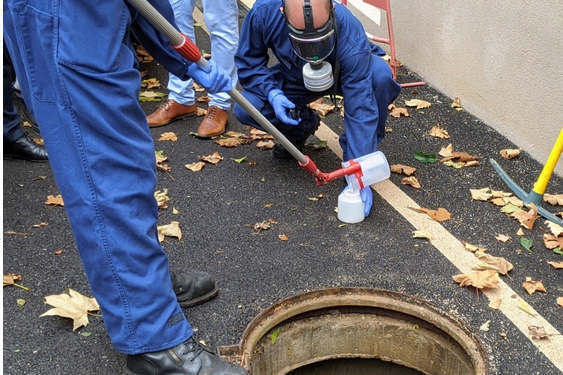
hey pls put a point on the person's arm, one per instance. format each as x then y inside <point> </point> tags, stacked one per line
<point>252,54</point>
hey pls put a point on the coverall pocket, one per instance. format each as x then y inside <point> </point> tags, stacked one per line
<point>36,31</point>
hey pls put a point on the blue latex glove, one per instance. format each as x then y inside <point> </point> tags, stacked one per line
<point>214,79</point>
<point>367,197</point>
<point>281,105</point>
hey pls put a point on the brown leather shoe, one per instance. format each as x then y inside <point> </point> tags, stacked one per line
<point>214,122</point>
<point>169,111</point>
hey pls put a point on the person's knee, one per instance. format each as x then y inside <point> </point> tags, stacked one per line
<point>241,114</point>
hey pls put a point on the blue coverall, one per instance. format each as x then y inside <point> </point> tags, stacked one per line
<point>76,68</point>
<point>366,81</point>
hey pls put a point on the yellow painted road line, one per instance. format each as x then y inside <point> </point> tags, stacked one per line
<point>456,253</point>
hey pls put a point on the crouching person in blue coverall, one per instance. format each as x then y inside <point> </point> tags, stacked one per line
<point>322,49</point>
<point>76,69</point>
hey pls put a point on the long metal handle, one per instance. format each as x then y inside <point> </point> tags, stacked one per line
<point>190,51</point>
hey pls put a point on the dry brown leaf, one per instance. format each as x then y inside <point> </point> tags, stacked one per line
<point>498,202</point>
<point>412,181</point>
<point>554,200</point>
<point>495,303</point>
<point>556,229</point>
<point>438,132</point>
<point>472,163</point>
<point>11,278</point>
<point>40,225</point>
<point>556,265</point>
<point>321,108</point>
<point>169,230</point>
<point>500,194</point>
<point>460,157</point>
<point>503,237</point>
<point>200,112</point>
<point>162,198</point>
<point>418,103</point>
<point>229,142</point>
<point>283,237</point>
<point>538,333</point>
<point>446,151</point>
<point>520,232</point>
<point>479,279</point>
<point>54,200</point>
<point>265,144</point>
<point>473,248</point>
<point>421,234</point>
<point>263,225</point>
<point>58,252</point>
<point>150,83</point>
<point>160,157</point>
<point>203,99</point>
<point>73,305</point>
<point>551,242</point>
<point>214,159</point>
<point>560,301</point>
<point>234,134</point>
<point>195,167</point>
<point>397,111</point>
<point>456,104</point>
<point>514,200</point>
<point>163,167</point>
<point>489,262</point>
<point>403,169</point>
<point>441,214</point>
<point>483,194</point>
<point>508,153</point>
<point>198,87</point>
<point>168,136</point>
<point>527,219</point>
<point>532,286</point>
<point>259,134</point>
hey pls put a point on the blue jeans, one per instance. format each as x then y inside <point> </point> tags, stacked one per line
<point>76,70</point>
<point>221,19</point>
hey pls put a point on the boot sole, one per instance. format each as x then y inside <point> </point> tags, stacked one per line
<point>201,299</point>
<point>183,117</point>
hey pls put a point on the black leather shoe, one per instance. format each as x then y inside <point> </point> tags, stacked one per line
<point>193,288</point>
<point>188,358</point>
<point>24,148</point>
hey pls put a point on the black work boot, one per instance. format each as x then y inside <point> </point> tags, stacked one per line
<point>193,288</point>
<point>188,358</point>
<point>24,148</point>
<point>298,134</point>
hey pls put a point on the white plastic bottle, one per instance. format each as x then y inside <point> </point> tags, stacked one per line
<point>350,206</point>
<point>375,168</point>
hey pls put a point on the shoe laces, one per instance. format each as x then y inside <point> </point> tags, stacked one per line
<point>212,112</point>
<point>165,105</point>
<point>192,346</point>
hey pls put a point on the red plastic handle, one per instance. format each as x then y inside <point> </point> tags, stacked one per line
<point>188,49</point>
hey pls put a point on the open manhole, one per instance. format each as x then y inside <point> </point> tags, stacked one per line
<point>356,331</point>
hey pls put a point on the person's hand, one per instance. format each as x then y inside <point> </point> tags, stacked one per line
<point>367,197</point>
<point>281,105</point>
<point>214,79</point>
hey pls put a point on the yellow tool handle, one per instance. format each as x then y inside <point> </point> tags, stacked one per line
<point>543,179</point>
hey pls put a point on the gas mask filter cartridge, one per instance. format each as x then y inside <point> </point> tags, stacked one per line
<point>318,76</point>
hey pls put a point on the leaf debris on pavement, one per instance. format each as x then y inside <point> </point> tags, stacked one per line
<point>195,167</point>
<point>403,169</point>
<point>169,230</point>
<point>441,214</point>
<point>439,132</point>
<point>53,200</point>
<point>72,305</point>
<point>478,279</point>
<point>214,158</point>
<point>508,153</point>
<point>532,286</point>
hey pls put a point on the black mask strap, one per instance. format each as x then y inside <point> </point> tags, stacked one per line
<point>308,16</point>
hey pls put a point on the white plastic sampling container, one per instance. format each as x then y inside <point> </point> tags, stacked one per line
<point>375,168</point>
<point>350,206</point>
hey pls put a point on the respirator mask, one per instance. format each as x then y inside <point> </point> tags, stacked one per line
<point>314,46</point>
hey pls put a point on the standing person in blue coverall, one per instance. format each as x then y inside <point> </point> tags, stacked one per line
<point>76,68</point>
<point>221,18</point>
<point>322,49</point>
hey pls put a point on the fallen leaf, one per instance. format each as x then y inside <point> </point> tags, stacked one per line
<point>403,169</point>
<point>214,159</point>
<point>522,305</point>
<point>141,51</point>
<point>54,200</point>
<point>418,103</point>
<point>495,303</point>
<point>21,302</point>
<point>456,104</point>
<point>318,146</point>
<point>198,87</point>
<point>479,279</point>
<point>554,200</point>
<point>175,211</point>
<point>441,214</point>
<point>72,305</point>
<point>229,142</point>
<point>27,124</point>
<point>195,167</point>
<point>11,278</point>
<point>397,111</point>
<point>500,194</point>
<point>446,151</point>
<point>265,144</point>
<point>200,112</point>
<point>168,136</point>
<point>160,157</point>
<point>489,262</point>
<point>485,326</point>
<point>509,153</point>
<point>556,229</point>
<point>151,96</point>
<point>169,230</point>
<point>532,286</point>
<point>58,252</point>
<point>538,333</point>
<point>274,335</point>
<point>162,198</point>
<point>412,181</point>
<point>503,237</point>
<point>556,265</point>
<point>527,243</point>
<point>527,219</point>
<point>256,134</point>
<point>39,141</point>
<point>425,158</point>
<point>234,134</point>
<point>460,157</point>
<point>283,237</point>
<point>263,225</point>
<point>456,165</point>
<point>498,202</point>
<point>421,234</point>
<point>473,248</point>
<point>438,132</point>
<point>203,99</point>
<point>239,160</point>
<point>560,301</point>
<point>40,225</point>
<point>510,209</point>
<point>150,83</point>
<point>515,201</point>
<point>520,232</point>
<point>483,194</point>
<point>321,108</point>
<point>551,242</point>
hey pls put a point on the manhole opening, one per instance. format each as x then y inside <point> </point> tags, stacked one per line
<point>357,331</point>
